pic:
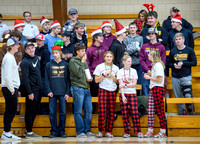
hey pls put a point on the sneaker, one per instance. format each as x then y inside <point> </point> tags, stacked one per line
<point>63,135</point>
<point>109,135</point>
<point>140,135</point>
<point>126,135</point>
<point>82,135</point>
<point>32,135</point>
<point>160,135</point>
<point>53,135</point>
<point>148,135</point>
<point>9,135</point>
<point>89,134</point>
<point>99,134</point>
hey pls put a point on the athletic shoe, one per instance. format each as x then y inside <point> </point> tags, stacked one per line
<point>126,135</point>
<point>9,135</point>
<point>53,135</point>
<point>32,135</point>
<point>140,135</point>
<point>160,135</point>
<point>63,135</point>
<point>89,134</point>
<point>82,135</point>
<point>148,134</point>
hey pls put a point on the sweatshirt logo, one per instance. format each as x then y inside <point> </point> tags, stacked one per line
<point>58,71</point>
<point>34,64</point>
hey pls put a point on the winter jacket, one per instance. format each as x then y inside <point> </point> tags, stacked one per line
<point>75,40</point>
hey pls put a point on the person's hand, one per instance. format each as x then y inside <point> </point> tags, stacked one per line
<point>66,97</point>
<point>180,64</point>
<point>122,85</point>
<point>31,96</point>
<point>146,76</point>
<point>13,92</point>
<point>149,72</point>
<point>124,99</point>
<point>50,94</point>
<point>138,48</point>
<point>84,58</point>
<point>160,40</point>
<point>107,72</point>
<point>19,63</point>
<point>177,66</point>
<point>19,94</point>
<point>112,74</point>
<point>147,37</point>
<point>90,80</point>
<point>27,37</point>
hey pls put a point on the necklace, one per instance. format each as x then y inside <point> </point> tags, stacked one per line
<point>127,81</point>
<point>108,75</point>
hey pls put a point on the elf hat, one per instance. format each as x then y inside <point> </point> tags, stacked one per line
<point>18,23</point>
<point>177,18</point>
<point>97,32</point>
<point>56,48</point>
<point>106,23</point>
<point>55,24</point>
<point>59,43</point>
<point>43,20</point>
<point>40,37</point>
<point>119,28</point>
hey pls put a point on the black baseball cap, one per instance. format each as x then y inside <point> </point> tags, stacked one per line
<point>66,33</point>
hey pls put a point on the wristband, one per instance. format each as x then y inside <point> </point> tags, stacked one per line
<point>103,74</point>
<point>125,85</point>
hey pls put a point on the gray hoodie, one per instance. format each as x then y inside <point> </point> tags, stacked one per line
<point>133,43</point>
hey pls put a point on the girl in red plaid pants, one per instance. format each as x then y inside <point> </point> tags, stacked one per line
<point>105,75</point>
<point>127,77</point>
<point>156,95</point>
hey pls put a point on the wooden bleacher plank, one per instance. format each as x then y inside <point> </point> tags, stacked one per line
<point>176,132</point>
<point>182,100</point>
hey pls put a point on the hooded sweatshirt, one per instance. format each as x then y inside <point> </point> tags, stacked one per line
<point>107,41</point>
<point>146,48</point>
<point>95,56</point>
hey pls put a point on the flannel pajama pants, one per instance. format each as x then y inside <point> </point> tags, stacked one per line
<point>106,102</point>
<point>156,105</point>
<point>133,110</point>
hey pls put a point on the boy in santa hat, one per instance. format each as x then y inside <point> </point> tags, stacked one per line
<point>19,26</point>
<point>45,26</point>
<point>176,23</point>
<point>118,47</point>
<point>108,37</point>
<point>51,38</point>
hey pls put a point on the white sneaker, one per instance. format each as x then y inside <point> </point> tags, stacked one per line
<point>9,135</point>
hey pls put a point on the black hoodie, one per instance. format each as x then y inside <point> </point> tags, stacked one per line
<point>31,77</point>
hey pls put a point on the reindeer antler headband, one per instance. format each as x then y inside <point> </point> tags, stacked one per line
<point>150,8</point>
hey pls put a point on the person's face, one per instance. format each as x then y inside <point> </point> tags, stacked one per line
<point>151,20</point>
<point>17,38</point>
<point>123,35</point>
<point>65,39</point>
<point>81,53</point>
<point>173,13</point>
<point>80,30</point>
<point>107,29</point>
<point>99,39</point>
<point>46,26</point>
<point>152,36</point>
<point>132,29</point>
<point>174,24</point>
<point>142,17</point>
<point>20,29</point>
<point>179,41</point>
<point>108,58</point>
<point>15,48</point>
<point>127,63</point>
<point>40,43</point>
<point>73,16</point>
<point>30,50</point>
<point>56,54</point>
<point>27,17</point>
<point>56,30</point>
<point>150,56</point>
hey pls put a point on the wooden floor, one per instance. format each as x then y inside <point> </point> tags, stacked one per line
<point>73,140</point>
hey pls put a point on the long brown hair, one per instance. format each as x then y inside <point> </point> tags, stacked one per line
<point>144,13</point>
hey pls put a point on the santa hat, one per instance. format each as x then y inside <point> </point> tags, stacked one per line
<point>56,48</point>
<point>97,31</point>
<point>177,18</point>
<point>119,28</point>
<point>40,37</point>
<point>55,24</point>
<point>18,23</point>
<point>43,20</point>
<point>106,23</point>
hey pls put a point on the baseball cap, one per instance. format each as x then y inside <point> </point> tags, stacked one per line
<point>73,10</point>
<point>40,37</point>
<point>66,33</point>
<point>12,41</point>
<point>152,30</point>
<point>28,44</point>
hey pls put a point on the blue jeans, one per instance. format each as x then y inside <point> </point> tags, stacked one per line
<point>82,100</point>
<point>145,85</point>
<point>62,114</point>
<point>138,68</point>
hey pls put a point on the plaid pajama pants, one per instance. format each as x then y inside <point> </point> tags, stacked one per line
<point>156,105</point>
<point>133,110</point>
<point>106,103</point>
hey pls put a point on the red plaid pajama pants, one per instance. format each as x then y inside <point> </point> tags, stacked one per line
<point>133,110</point>
<point>156,105</point>
<point>106,103</point>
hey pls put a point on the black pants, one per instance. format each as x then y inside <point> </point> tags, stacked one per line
<point>11,107</point>
<point>32,107</point>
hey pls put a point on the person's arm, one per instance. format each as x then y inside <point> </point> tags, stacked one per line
<point>89,59</point>
<point>45,57</point>
<point>47,78</point>
<point>191,40</point>
<point>36,32</point>
<point>157,79</point>
<point>113,50</point>
<point>67,79</point>
<point>76,69</point>
<point>99,78</point>
<point>164,37</point>
<point>187,25</point>
<point>171,60</point>
<point>121,85</point>
<point>193,59</point>
<point>143,60</point>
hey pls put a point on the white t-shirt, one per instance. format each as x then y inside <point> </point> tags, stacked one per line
<point>30,30</point>
<point>107,83</point>
<point>128,76</point>
<point>157,70</point>
<point>3,28</point>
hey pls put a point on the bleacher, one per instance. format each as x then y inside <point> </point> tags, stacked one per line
<point>176,125</point>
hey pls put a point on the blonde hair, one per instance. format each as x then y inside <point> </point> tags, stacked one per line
<point>126,56</point>
<point>156,57</point>
<point>179,35</point>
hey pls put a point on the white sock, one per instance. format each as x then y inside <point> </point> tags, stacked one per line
<point>150,130</point>
<point>29,133</point>
<point>163,130</point>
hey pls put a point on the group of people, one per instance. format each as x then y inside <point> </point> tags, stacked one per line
<point>60,67</point>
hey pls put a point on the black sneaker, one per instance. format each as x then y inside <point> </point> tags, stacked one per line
<point>62,135</point>
<point>53,135</point>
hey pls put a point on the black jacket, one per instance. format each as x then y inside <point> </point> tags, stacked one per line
<point>69,49</point>
<point>57,78</point>
<point>43,55</point>
<point>31,76</point>
<point>118,50</point>
<point>75,40</point>
<point>168,27</point>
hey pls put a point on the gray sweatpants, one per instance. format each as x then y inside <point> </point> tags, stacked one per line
<point>179,86</point>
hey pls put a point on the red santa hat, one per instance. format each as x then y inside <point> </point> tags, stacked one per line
<point>18,23</point>
<point>119,28</point>
<point>97,31</point>
<point>177,18</point>
<point>55,24</point>
<point>43,20</point>
<point>40,37</point>
<point>106,23</point>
